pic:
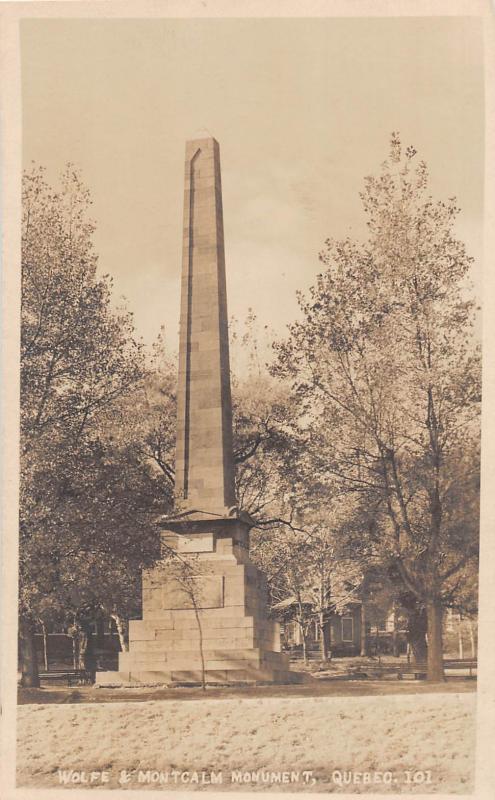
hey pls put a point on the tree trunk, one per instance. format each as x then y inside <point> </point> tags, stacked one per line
<point>459,637</point>
<point>29,657</point>
<point>81,650</point>
<point>201,651</point>
<point>416,633</point>
<point>364,639</point>
<point>45,644</point>
<point>100,633</point>
<point>434,615</point>
<point>395,636</point>
<point>305,649</point>
<point>122,631</point>
<point>323,637</point>
<point>471,637</point>
<point>73,631</point>
<point>321,619</point>
<point>302,629</point>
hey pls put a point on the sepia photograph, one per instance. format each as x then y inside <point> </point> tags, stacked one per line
<point>245,341</point>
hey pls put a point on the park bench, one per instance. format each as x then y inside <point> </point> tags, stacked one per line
<point>73,677</point>
<point>471,664</point>
<point>419,671</point>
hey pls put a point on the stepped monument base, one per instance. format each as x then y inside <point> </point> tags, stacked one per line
<point>239,643</point>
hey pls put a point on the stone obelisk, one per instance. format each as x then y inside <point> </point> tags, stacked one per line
<point>204,464</point>
<point>239,642</point>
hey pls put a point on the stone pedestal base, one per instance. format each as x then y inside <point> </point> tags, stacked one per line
<point>239,643</point>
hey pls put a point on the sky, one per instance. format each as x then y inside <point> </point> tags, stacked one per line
<point>302,108</point>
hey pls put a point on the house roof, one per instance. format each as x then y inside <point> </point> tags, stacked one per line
<point>306,599</point>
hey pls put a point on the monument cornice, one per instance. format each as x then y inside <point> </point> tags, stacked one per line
<point>202,519</point>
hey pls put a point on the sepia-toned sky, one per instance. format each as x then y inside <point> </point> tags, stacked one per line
<point>302,109</point>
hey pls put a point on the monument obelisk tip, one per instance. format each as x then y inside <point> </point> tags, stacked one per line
<point>201,133</point>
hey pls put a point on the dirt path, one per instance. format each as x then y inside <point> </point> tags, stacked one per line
<point>321,688</point>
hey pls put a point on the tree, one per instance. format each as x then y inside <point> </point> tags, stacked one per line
<point>86,501</point>
<point>183,574</point>
<point>284,557</point>
<point>148,421</point>
<point>313,570</point>
<point>302,532</point>
<point>335,572</point>
<point>386,372</point>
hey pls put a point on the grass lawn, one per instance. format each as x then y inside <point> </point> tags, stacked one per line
<point>412,737</point>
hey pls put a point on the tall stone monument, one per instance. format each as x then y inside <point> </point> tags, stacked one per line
<point>210,591</point>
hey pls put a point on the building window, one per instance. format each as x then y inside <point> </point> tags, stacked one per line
<point>347,629</point>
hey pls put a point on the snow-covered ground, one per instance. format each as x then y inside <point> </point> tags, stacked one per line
<point>400,743</point>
